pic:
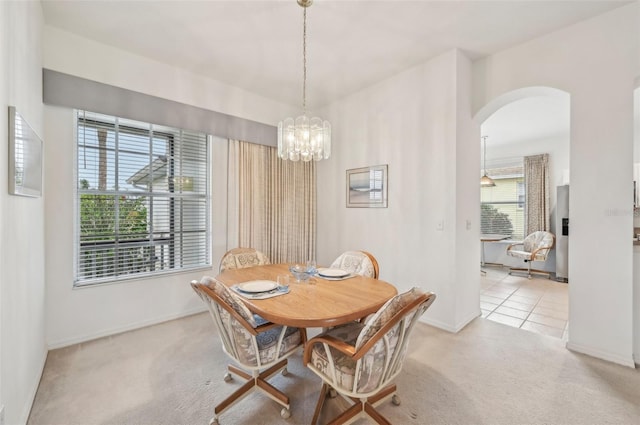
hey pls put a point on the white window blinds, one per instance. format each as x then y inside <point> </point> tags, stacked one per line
<point>142,199</point>
<point>502,206</point>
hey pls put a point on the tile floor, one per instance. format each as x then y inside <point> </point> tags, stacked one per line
<point>538,305</point>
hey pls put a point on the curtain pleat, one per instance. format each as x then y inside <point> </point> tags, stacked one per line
<point>536,175</point>
<point>274,201</point>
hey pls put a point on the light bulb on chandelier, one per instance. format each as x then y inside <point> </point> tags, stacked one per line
<point>304,138</point>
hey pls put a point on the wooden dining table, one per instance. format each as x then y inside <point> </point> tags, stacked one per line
<point>316,303</point>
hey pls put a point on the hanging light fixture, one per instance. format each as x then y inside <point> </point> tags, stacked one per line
<point>485,181</point>
<point>304,138</point>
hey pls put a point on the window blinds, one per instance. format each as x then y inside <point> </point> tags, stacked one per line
<point>142,199</point>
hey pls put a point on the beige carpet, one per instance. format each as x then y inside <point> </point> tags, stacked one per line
<point>488,373</point>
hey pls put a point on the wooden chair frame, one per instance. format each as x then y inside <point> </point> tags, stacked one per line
<point>365,403</point>
<point>256,380</point>
<point>376,269</point>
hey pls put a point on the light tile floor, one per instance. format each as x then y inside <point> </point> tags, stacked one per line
<point>538,305</point>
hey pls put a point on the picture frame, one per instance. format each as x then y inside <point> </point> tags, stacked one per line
<point>367,187</point>
<point>25,157</point>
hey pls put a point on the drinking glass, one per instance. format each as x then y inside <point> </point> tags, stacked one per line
<point>283,281</point>
<point>311,267</point>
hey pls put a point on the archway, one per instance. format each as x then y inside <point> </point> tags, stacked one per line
<point>520,123</point>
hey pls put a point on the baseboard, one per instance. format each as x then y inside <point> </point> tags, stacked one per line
<point>52,345</point>
<point>447,326</point>
<point>24,417</point>
<point>604,355</point>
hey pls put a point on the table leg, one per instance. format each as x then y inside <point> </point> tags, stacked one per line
<point>482,258</point>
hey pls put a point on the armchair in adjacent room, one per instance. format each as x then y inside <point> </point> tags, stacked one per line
<point>535,247</point>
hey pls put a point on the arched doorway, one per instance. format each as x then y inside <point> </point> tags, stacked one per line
<point>524,123</point>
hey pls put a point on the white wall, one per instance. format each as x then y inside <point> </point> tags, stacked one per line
<point>75,315</point>
<point>596,62</point>
<point>419,123</point>
<point>22,283</point>
<point>66,52</point>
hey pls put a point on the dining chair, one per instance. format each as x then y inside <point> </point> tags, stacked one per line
<point>359,360</point>
<point>258,347</point>
<point>240,258</point>
<point>358,262</point>
<point>535,247</point>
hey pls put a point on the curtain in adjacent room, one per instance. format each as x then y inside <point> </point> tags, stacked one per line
<point>536,177</point>
<point>271,203</point>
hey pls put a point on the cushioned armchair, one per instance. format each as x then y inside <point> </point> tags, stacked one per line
<point>359,360</point>
<point>358,262</point>
<point>250,342</point>
<point>240,258</point>
<point>535,247</point>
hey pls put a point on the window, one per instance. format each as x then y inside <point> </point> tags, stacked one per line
<point>502,206</point>
<point>142,199</point>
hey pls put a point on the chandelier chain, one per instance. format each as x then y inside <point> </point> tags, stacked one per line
<point>304,61</point>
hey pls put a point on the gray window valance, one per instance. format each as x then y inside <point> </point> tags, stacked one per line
<point>66,90</point>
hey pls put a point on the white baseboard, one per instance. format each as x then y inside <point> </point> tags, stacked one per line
<point>447,326</point>
<point>52,345</point>
<point>604,355</point>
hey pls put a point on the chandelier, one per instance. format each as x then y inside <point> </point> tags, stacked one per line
<point>304,138</point>
<point>485,181</point>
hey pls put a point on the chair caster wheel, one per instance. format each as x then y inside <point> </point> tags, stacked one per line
<point>332,393</point>
<point>227,378</point>
<point>214,421</point>
<point>285,413</point>
<point>395,400</point>
<point>284,372</point>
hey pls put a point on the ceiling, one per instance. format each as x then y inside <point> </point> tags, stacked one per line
<point>257,45</point>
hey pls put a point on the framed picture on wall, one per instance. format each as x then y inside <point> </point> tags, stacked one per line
<point>25,157</point>
<point>367,187</point>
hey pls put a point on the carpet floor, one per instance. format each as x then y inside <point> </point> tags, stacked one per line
<point>488,373</point>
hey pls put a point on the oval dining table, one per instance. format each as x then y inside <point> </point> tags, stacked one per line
<point>319,303</point>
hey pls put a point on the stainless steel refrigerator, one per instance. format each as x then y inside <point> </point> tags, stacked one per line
<point>562,234</point>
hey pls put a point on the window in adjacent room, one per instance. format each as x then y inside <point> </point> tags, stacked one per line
<point>142,199</point>
<point>502,206</point>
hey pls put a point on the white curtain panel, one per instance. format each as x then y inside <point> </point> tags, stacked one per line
<point>271,203</point>
<point>536,178</point>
